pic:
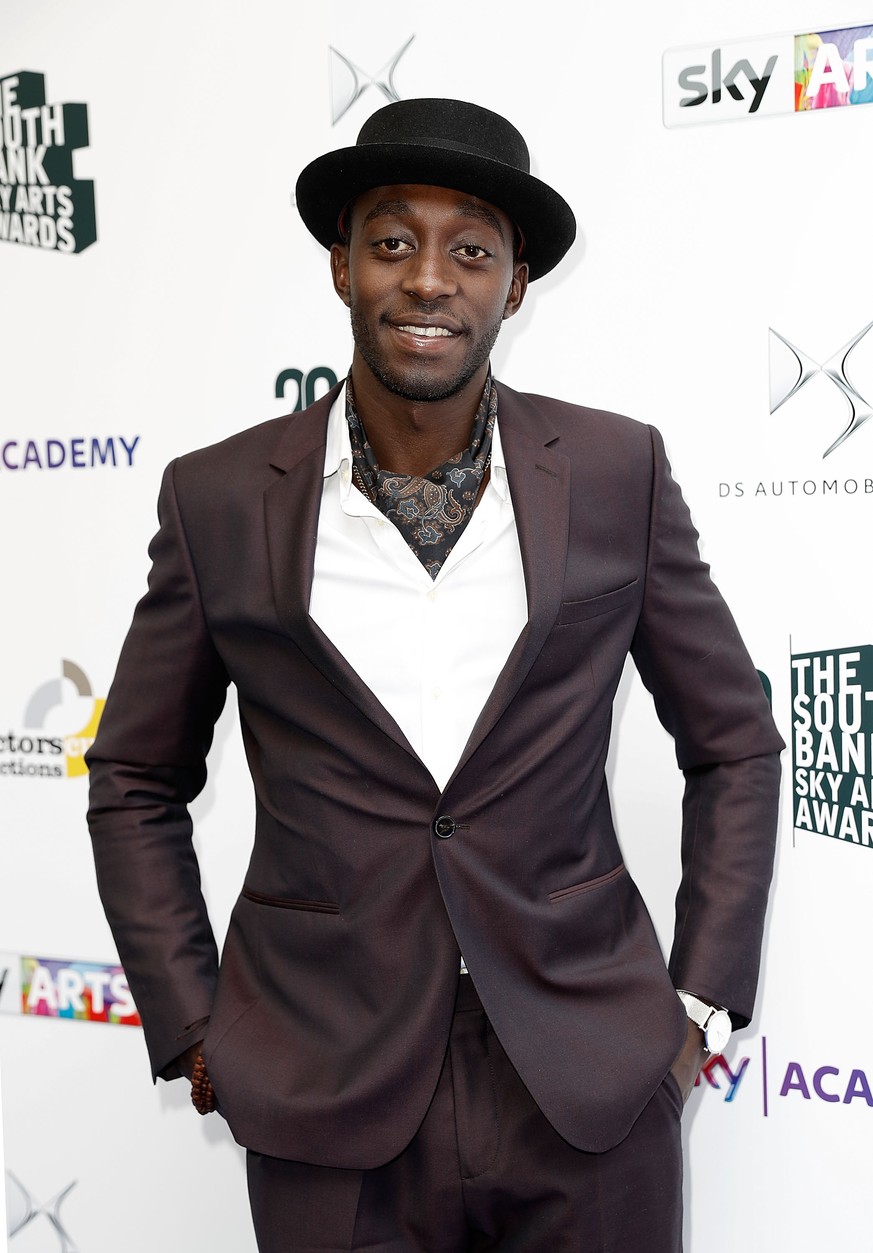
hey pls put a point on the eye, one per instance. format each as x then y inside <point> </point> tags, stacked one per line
<point>472,252</point>
<point>393,245</point>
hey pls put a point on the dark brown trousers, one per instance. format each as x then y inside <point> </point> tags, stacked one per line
<point>485,1170</point>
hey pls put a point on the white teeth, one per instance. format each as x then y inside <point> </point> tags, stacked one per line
<point>429,331</point>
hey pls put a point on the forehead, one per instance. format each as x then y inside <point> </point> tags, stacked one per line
<point>421,201</point>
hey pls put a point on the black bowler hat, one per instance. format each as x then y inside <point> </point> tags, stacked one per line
<point>444,143</point>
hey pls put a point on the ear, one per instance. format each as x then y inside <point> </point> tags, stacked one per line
<point>517,289</point>
<point>339,268</point>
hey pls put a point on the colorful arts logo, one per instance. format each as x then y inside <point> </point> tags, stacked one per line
<point>49,987</point>
<point>771,75</point>
<point>41,203</point>
<point>61,718</point>
<point>833,68</point>
<point>832,740</point>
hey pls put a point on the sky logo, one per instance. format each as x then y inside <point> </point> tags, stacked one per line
<point>773,75</point>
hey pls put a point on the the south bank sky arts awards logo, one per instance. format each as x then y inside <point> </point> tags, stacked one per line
<point>775,74</point>
<point>42,204</point>
<point>57,728</point>
<point>832,744</point>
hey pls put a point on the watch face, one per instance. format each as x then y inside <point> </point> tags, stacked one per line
<point>718,1031</point>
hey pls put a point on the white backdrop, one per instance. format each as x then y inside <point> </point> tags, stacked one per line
<point>170,331</point>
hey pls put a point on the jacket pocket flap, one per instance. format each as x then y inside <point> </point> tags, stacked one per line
<point>580,610</point>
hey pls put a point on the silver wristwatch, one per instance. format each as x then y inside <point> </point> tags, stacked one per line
<point>713,1021</point>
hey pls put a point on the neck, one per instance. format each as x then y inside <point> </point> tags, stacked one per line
<point>410,436</point>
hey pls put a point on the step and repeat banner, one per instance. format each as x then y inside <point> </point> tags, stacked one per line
<point>161,293</point>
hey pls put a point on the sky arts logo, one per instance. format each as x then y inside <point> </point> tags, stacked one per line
<point>832,742</point>
<point>791,369</point>
<point>348,81</point>
<point>776,74</point>
<point>305,385</point>
<point>49,987</point>
<point>60,723</point>
<point>41,203</point>
<point>22,1209</point>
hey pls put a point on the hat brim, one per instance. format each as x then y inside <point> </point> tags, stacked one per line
<point>328,184</point>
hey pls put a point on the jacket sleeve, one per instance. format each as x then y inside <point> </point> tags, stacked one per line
<point>710,698</point>
<point>147,764</point>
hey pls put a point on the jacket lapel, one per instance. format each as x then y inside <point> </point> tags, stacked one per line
<point>291,506</point>
<point>539,481</point>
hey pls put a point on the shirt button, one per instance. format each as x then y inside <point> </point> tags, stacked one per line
<point>444,827</point>
<point>436,693</point>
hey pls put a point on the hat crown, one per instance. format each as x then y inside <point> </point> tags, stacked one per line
<point>440,143</point>
<point>448,124</point>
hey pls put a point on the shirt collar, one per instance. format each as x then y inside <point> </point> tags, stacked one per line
<point>338,450</point>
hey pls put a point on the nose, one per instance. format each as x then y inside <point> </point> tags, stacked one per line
<point>429,275</point>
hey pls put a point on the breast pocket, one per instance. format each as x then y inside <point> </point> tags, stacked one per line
<point>581,610</point>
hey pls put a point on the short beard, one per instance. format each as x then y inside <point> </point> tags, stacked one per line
<point>420,386</point>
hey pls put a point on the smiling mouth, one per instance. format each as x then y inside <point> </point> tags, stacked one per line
<point>429,332</point>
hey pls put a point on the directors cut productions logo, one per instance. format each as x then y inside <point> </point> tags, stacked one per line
<point>79,991</point>
<point>771,75</point>
<point>832,743</point>
<point>41,203</point>
<point>60,723</point>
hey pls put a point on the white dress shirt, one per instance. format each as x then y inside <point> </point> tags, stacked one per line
<point>430,649</point>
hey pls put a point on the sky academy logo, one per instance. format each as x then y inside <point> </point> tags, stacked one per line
<point>832,743</point>
<point>348,81</point>
<point>42,205</point>
<point>720,1075</point>
<point>60,721</point>
<point>71,453</point>
<point>771,75</point>
<point>788,1079</point>
<point>22,1209</point>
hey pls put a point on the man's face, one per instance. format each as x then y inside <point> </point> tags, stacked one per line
<point>428,275</point>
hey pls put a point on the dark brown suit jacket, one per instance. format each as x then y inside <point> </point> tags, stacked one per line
<point>330,1011</point>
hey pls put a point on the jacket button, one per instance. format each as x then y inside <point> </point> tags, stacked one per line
<point>444,827</point>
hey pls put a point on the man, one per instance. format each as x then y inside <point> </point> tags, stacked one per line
<point>424,589</point>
